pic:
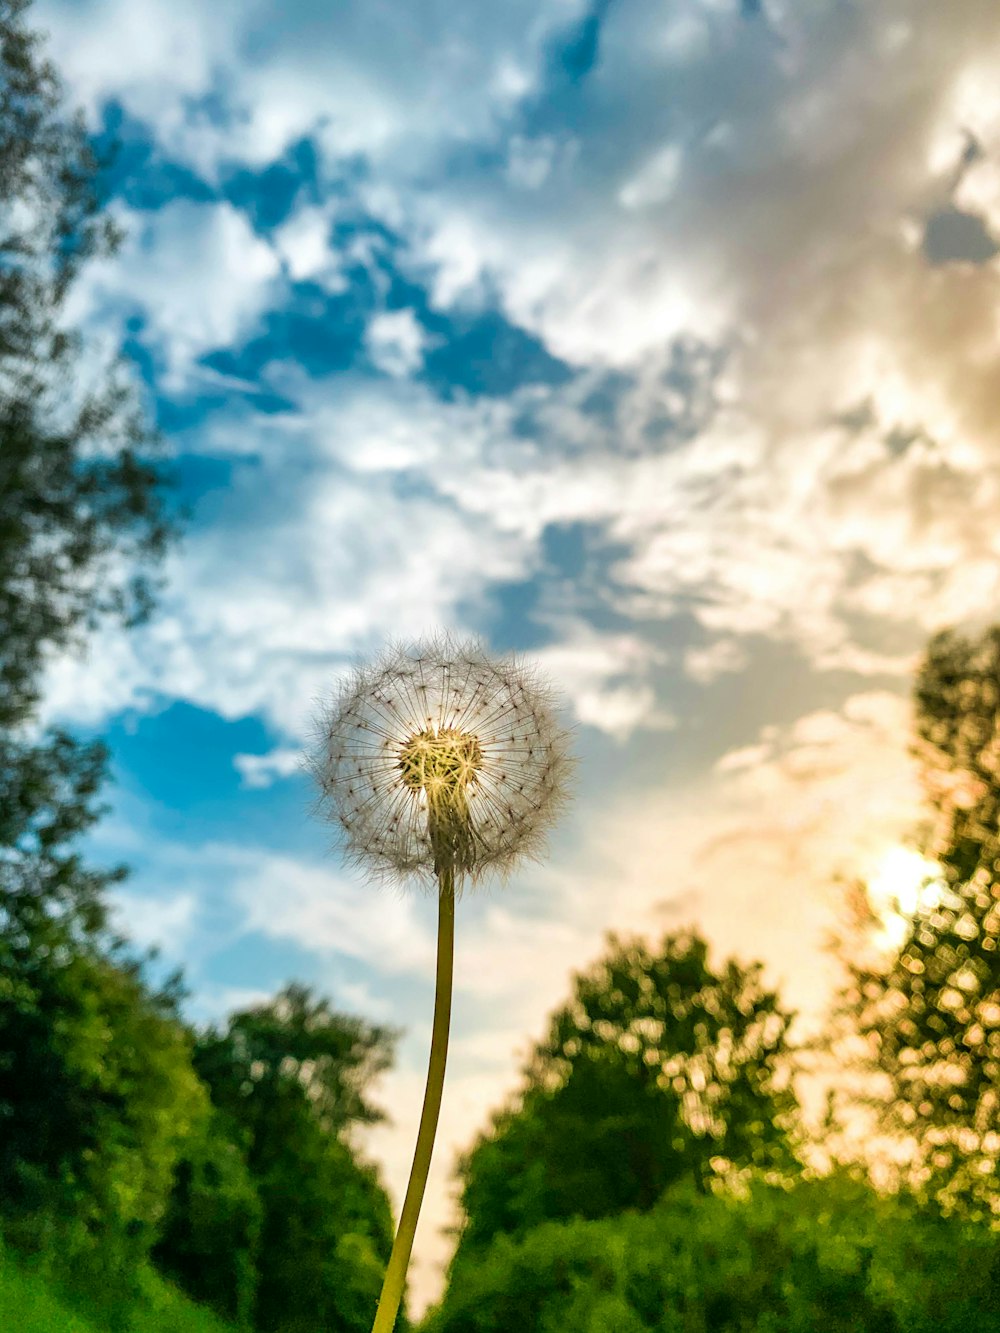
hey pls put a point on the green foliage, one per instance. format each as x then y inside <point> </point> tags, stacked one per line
<point>31,1301</point>
<point>957,708</point>
<point>657,1069</point>
<point>96,1085</point>
<point>326,1239</point>
<point>294,1050</point>
<point>823,1254</point>
<point>98,1097</point>
<point>289,1079</point>
<point>76,494</point>
<point>29,1304</point>
<point>209,1239</point>
<point>47,795</point>
<point>930,1014</point>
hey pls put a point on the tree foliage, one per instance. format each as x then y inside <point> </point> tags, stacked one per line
<point>658,1068</point>
<point>930,1013</point>
<point>208,1241</point>
<point>753,1257</point>
<point>95,1081</point>
<point>289,1078</point>
<point>97,1096</point>
<point>81,509</point>
<point>293,1051</point>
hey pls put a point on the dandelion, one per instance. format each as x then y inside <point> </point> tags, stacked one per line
<point>441,764</point>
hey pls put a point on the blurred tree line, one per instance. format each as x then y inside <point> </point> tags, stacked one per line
<point>651,1173</point>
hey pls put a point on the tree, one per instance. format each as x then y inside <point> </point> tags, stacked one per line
<point>210,1236</point>
<point>929,1013</point>
<point>746,1257</point>
<point>81,512</point>
<point>659,1068</point>
<point>96,1085</point>
<point>77,504</point>
<point>289,1078</point>
<point>80,508</point>
<point>294,1050</point>
<point>957,743</point>
<point>98,1096</point>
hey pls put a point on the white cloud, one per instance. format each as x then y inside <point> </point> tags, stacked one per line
<point>329,911</point>
<point>391,85</point>
<point>800,170</point>
<point>196,272</point>
<point>164,922</point>
<point>607,678</point>
<point>718,658</point>
<point>303,242</point>
<point>655,181</point>
<point>151,57</point>
<point>262,770</point>
<point>305,569</point>
<point>772,226</point>
<point>213,1003</point>
<point>530,161</point>
<point>396,342</point>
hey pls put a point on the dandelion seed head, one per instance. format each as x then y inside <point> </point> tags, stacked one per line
<point>438,755</point>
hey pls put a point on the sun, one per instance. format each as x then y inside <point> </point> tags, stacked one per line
<point>901,882</point>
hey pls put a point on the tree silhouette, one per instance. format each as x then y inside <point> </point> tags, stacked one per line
<point>930,1013</point>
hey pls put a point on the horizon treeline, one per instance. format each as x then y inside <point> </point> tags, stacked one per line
<point>654,1170</point>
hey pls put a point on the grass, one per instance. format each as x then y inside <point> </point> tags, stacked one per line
<point>29,1304</point>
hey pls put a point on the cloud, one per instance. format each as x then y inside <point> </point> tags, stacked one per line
<point>164,922</point>
<point>329,912</point>
<point>307,566</point>
<point>396,342</point>
<point>607,677</point>
<point>392,86</point>
<point>262,770</point>
<point>752,854</point>
<point>730,486</point>
<point>303,241</point>
<point>196,273</point>
<point>718,658</point>
<point>213,1003</point>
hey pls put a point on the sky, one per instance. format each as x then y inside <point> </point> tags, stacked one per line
<point>655,340</point>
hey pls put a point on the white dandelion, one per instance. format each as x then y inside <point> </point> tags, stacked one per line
<point>439,763</point>
<point>438,758</point>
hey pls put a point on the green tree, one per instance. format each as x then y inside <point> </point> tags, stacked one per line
<point>80,500</point>
<point>81,509</point>
<point>209,1239</point>
<point>930,1012</point>
<point>290,1079</point>
<point>97,1090</point>
<point>742,1257</point>
<point>96,1080</point>
<point>98,1096</point>
<point>659,1068</point>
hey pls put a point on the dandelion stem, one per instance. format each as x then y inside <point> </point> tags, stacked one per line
<point>395,1273</point>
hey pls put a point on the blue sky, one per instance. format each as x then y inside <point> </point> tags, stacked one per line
<point>654,340</point>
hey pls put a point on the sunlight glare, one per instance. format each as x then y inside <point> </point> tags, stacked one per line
<point>901,882</point>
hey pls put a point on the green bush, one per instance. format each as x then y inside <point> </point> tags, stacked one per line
<point>825,1254</point>
<point>33,1301</point>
